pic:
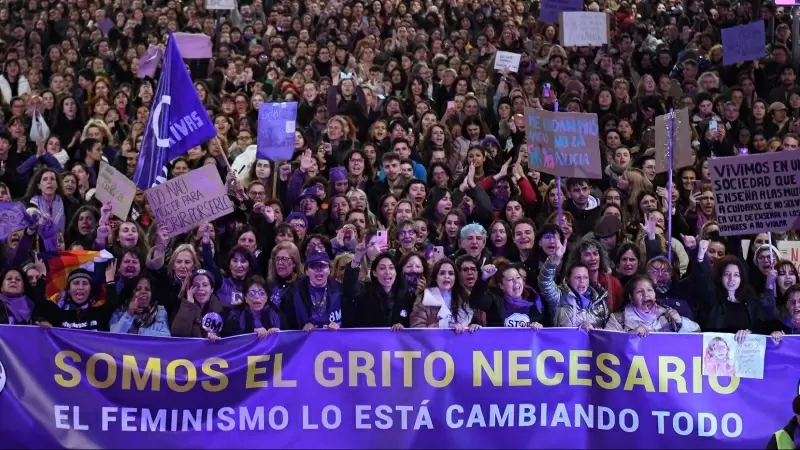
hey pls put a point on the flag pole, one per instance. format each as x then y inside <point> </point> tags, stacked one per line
<point>670,156</point>
<point>558,183</point>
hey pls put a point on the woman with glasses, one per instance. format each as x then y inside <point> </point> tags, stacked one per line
<point>256,315</point>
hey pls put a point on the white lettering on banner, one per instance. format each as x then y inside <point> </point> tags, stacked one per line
<point>178,129</point>
<point>399,417</point>
<point>756,193</point>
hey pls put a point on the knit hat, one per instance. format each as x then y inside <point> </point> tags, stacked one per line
<point>338,174</point>
<point>199,272</point>
<point>575,86</point>
<point>307,193</point>
<point>489,140</point>
<point>297,215</point>
<point>78,274</point>
<point>607,226</point>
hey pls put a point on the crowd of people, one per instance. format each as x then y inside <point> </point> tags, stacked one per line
<point>409,201</point>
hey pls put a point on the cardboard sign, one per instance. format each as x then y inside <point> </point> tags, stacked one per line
<point>743,43</point>
<point>506,60</point>
<point>682,141</point>
<point>113,186</point>
<point>191,199</point>
<point>220,4</point>
<point>550,8</point>
<point>276,130</point>
<point>581,29</point>
<point>756,193</point>
<point>563,144</point>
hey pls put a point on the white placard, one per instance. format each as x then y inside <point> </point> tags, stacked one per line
<point>581,28</point>
<point>506,60</point>
<point>220,4</point>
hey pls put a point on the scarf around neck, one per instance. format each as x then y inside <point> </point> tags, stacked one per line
<point>20,307</point>
<point>54,209</point>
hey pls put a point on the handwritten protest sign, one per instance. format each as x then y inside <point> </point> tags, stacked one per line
<point>563,144</point>
<point>184,202</point>
<point>506,60</point>
<point>682,141</point>
<point>584,28</point>
<point>220,4</point>
<point>114,187</point>
<point>276,128</point>
<point>756,193</point>
<point>750,357</point>
<point>550,8</point>
<point>724,357</point>
<point>743,43</point>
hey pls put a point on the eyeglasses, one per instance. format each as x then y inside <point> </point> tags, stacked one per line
<point>407,233</point>
<point>283,260</point>
<point>256,293</point>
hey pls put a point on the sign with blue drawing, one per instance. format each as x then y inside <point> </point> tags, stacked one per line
<point>563,144</point>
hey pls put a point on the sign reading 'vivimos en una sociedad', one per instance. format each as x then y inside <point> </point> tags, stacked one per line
<point>756,193</point>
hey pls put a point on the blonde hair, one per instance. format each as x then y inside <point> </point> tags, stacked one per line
<point>182,248</point>
<point>639,183</point>
<point>341,260</point>
<point>294,253</point>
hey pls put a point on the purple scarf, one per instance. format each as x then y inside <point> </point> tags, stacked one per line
<point>515,305</point>
<point>646,317</point>
<point>20,308</point>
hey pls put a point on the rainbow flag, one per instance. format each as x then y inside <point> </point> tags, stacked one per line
<point>61,264</point>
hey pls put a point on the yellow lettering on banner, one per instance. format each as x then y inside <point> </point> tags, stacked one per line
<point>449,369</point>
<point>336,372</point>
<point>253,370</point>
<point>515,367</point>
<point>386,369</point>
<point>575,367</point>
<point>130,371</point>
<point>91,370</point>
<point>541,367</point>
<point>215,375</point>
<point>639,375</point>
<point>277,379</point>
<point>665,374</point>
<point>191,375</point>
<point>73,377</point>
<point>713,381</point>
<point>408,358</point>
<point>355,367</point>
<point>480,365</point>
<point>611,380</point>
<point>697,372</point>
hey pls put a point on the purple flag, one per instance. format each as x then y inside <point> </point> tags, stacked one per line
<point>193,45</point>
<point>13,217</point>
<point>149,63</point>
<point>177,122</point>
<point>276,128</point>
<point>550,9</point>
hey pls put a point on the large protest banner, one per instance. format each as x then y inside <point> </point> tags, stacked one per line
<point>743,43</point>
<point>184,202</point>
<point>496,388</point>
<point>756,193</point>
<point>563,144</point>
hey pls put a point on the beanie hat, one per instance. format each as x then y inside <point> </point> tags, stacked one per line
<point>338,174</point>
<point>489,140</point>
<point>199,272</point>
<point>297,215</point>
<point>78,274</point>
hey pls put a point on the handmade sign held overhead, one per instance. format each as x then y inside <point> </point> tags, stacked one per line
<point>743,43</point>
<point>681,141</point>
<point>549,9</point>
<point>114,187</point>
<point>184,202</point>
<point>756,193</point>
<point>276,130</point>
<point>506,61</point>
<point>220,4</point>
<point>563,144</point>
<point>581,29</point>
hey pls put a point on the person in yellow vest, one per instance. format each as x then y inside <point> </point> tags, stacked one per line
<point>788,437</point>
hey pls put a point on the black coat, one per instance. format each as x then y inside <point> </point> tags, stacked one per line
<point>492,303</point>
<point>365,305</point>
<point>91,318</point>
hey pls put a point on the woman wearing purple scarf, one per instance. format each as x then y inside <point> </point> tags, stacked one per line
<point>643,314</point>
<point>507,303</point>
<point>17,297</point>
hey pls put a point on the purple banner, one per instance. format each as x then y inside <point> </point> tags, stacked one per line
<point>550,9</point>
<point>496,388</point>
